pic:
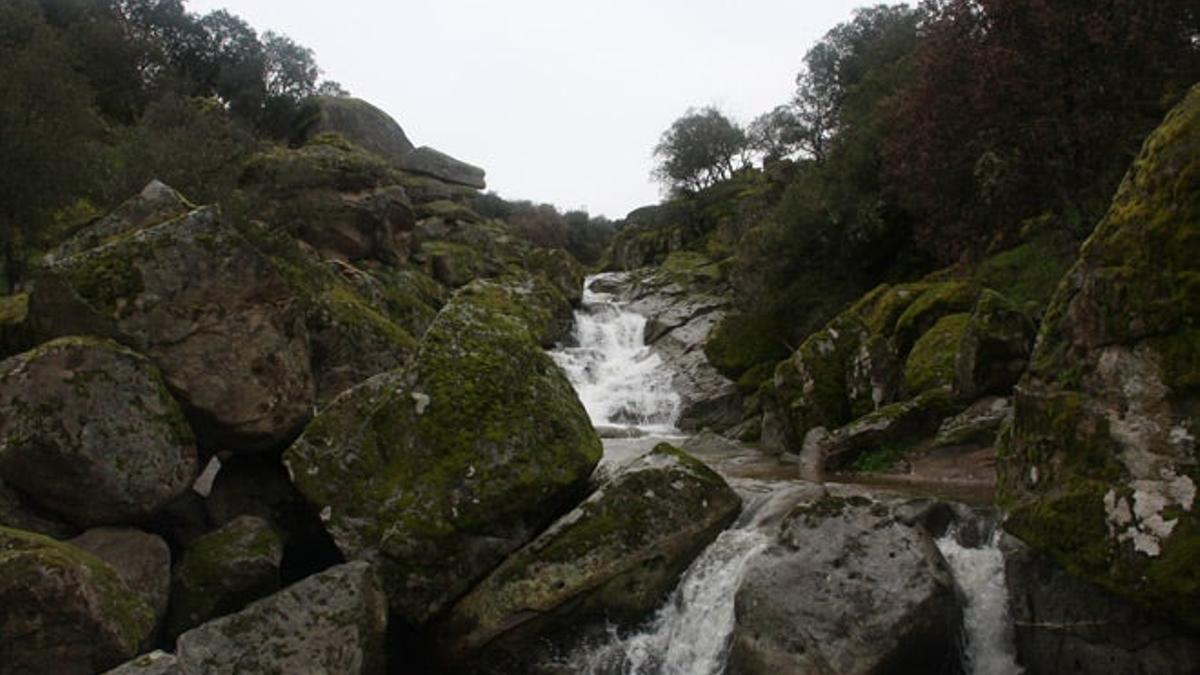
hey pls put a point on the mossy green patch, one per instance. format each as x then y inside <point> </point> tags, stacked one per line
<point>938,300</point>
<point>1028,273</point>
<point>741,342</point>
<point>930,364</point>
<point>14,308</point>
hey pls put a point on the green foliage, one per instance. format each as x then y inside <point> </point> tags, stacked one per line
<point>698,150</point>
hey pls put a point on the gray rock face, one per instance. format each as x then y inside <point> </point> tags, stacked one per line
<point>359,122</point>
<point>425,160</point>
<point>156,662</point>
<point>678,321</point>
<point>196,298</point>
<point>1066,625</point>
<point>156,203</point>
<point>332,622</point>
<point>89,430</point>
<point>846,589</point>
<point>142,560</point>
<point>62,610</point>
<point>223,571</point>
<point>613,558</point>
<point>977,425</point>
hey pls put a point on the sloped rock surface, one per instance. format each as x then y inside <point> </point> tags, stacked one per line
<point>426,160</point>
<point>89,431</point>
<point>613,558</point>
<point>142,560</point>
<point>332,622</point>
<point>156,203</point>
<point>359,122</point>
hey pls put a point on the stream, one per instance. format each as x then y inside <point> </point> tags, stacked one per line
<point>626,389</point>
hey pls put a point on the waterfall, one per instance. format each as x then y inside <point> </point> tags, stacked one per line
<point>620,381</point>
<point>690,634</point>
<point>987,626</point>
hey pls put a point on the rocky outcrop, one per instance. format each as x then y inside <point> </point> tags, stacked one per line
<point>994,348</point>
<point>846,588</point>
<point>344,202</point>
<point>63,610</point>
<point>142,560</point>
<point>156,203</point>
<point>332,622</point>
<point>211,312</point>
<point>1064,624</point>
<point>223,571</point>
<point>358,121</point>
<point>439,471</point>
<point>891,430</point>
<point>427,161</point>
<point>1101,467</point>
<point>612,559</point>
<point>88,430</point>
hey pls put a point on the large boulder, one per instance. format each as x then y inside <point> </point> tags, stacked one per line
<point>613,558</point>
<point>848,588</point>
<point>142,560</point>
<point>441,470</point>
<point>358,121</point>
<point>1101,467</point>
<point>88,430</point>
<point>156,203</point>
<point>209,309</point>
<point>345,203</point>
<point>332,622</point>
<point>427,161</point>
<point>931,362</point>
<point>62,610</point>
<point>994,348</point>
<point>1063,624</point>
<point>223,571</point>
<point>890,431</point>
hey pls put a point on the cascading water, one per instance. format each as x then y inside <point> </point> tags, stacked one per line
<point>620,381</point>
<point>690,634</point>
<point>988,647</point>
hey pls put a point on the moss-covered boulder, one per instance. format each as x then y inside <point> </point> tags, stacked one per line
<point>62,610</point>
<point>809,388</point>
<point>156,203</point>
<point>560,269</point>
<point>936,301</point>
<point>1101,467</point>
<point>845,586</point>
<point>886,435</point>
<point>994,348</point>
<point>208,308</point>
<point>613,558</point>
<point>88,430</point>
<point>223,571</point>
<point>356,120</point>
<point>141,559</point>
<point>344,202</point>
<point>740,342</point>
<point>931,362</point>
<point>441,470</point>
<point>332,622</point>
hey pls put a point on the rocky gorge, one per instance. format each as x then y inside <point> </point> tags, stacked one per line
<point>318,429</point>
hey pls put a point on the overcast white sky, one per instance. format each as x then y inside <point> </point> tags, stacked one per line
<point>561,101</point>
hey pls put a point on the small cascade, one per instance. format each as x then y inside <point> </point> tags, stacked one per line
<point>691,633</point>
<point>620,381</point>
<point>988,647</point>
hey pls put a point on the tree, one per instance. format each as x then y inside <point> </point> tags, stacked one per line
<point>699,150</point>
<point>776,134</point>
<point>47,123</point>
<point>1019,107</point>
